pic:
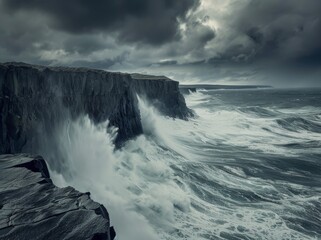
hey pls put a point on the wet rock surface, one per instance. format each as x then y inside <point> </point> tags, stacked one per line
<point>32,207</point>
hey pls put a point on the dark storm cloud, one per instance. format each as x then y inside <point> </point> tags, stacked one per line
<point>103,64</point>
<point>199,34</point>
<point>287,31</point>
<point>154,22</point>
<point>84,44</point>
<point>21,37</point>
<point>189,40</point>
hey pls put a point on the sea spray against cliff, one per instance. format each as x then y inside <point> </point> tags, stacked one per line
<point>90,164</point>
<point>159,128</point>
<point>35,95</point>
<point>231,172</point>
<point>135,183</point>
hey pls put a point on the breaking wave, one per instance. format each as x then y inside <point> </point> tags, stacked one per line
<point>235,171</point>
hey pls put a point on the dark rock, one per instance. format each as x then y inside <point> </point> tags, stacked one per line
<point>163,93</point>
<point>112,233</point>
<point>35,99</point>
<point>34,102</point>
<point>33,208</point>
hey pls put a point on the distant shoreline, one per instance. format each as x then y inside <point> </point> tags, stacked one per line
<point>194,87</point>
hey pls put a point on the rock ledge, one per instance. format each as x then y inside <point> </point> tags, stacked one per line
<point>32,207</point>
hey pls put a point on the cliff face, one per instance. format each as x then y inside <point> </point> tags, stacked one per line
<point>31,207</point>
<point>163,93</point>
<point>35,99</point>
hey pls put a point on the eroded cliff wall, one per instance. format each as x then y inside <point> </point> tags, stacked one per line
<point>35,99</point>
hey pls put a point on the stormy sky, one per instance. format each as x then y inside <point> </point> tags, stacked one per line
<point>210,41</point>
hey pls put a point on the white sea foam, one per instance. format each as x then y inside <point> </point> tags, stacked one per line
<point>136,183</point>
<point>158,186</point>
<point>236,128</point>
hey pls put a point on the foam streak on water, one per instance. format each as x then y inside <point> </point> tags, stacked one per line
<point>247,167</point>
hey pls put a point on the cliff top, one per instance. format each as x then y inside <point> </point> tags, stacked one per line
<point>54,68</point>
<point>139,76</point>
<point>136,76</point>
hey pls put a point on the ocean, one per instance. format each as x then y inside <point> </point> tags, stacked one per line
<point>247,166</point>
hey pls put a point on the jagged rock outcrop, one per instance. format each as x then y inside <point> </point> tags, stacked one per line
<point>31,207</point>
<point>35,99</point>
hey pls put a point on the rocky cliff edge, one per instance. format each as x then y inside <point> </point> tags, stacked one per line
<point>31,207</point>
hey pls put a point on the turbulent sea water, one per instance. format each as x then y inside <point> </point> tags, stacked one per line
<point>248,166</point>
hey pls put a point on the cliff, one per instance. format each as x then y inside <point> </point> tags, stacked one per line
<point>35,99</point>
<point>31,207</point>
<point>163,93</point>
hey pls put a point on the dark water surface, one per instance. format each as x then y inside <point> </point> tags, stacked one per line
<point>258,168</point>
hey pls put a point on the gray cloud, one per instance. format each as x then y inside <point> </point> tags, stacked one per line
<point>286,31</point>
<point>102,64</point>
<point>243,41</point>
<point>85,44</point>
<point>153,22</point>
